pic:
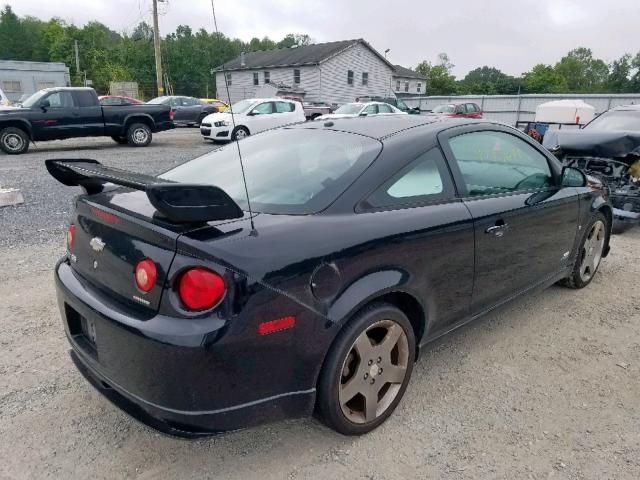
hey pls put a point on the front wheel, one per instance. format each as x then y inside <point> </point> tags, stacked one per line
<point>13,141</point>
<point>367,370</point>
<point>590,253</point>
<point>139,135</point>
<point>239,133</point>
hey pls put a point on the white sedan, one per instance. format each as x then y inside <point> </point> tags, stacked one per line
<point>362,109</point>
<point>251,116</point>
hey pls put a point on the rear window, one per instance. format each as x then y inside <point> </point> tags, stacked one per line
<point>616,120</point>
<point>444,109</point>
<point>289,171</point>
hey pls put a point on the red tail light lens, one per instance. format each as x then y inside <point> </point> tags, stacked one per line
<point>71,237</point>
<point>171,114</point>
<point>201,289</point>
<point>146,274</point>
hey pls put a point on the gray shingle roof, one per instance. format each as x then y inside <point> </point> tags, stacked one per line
<point>407,72</point>
<point>288,57</point>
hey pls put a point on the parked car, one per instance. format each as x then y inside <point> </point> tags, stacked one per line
<point>187,111</point>
<point>251,116</point>
<point>59,113</point>
<point>219,104</point>
<point>313,110</point>
<point>111,100</point>
<point>359,109</point>
<point>463,110</point>
<point>396,102</point>
<point>609,148</point>
<point>365,240</point>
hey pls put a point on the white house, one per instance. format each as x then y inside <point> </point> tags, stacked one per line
<point>407,83</point>
<point>333,72</point>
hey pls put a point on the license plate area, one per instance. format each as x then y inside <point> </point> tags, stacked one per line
<point>82,330</point>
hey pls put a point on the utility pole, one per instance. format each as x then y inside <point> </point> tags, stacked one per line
<point>75,47</point>
<point>156,46</point>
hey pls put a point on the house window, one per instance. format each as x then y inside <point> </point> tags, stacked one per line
<point>267,77</point>
<point>350,77</point>
<point>228,79</point>
<point>406,86</point>
<point>397,85</point>
<point>419,87</point>
<point>256,79</point>
<point>365,78</point>
<point>12,86</point>
<point>296,76</point>
<point>45,84</point>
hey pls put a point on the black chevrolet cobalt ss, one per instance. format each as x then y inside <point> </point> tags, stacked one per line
<point>196,311</point>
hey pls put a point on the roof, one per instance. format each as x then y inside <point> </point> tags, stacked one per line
<point>633,106</point>
<point>380,127</point>
<point>33,66</point>
<point>295,56</point>
<point>407,73</point>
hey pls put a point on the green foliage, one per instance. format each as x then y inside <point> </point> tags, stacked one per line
<point>440,81</point>
<point>488,81</point>
<point>543,79</point>
<point>294,39</point>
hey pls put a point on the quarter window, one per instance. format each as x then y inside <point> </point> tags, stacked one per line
<point>256,78</point>
<point>284,107</point>
<point>383,108</point>
<point>424,180</point>
<point>498,162</point>
<point>365,78</point>
<point>296,76</point>
<point>349,77</point>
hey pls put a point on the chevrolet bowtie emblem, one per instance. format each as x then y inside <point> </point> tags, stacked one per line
<point>97,244</point>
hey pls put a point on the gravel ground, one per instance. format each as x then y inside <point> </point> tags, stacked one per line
<point>546,387</point>
<point>45,214</point>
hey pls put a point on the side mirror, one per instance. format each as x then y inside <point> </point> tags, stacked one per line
<point>572,177</point>
<point>253,113</point>
<point>364,114</point>
<point>44,104</point>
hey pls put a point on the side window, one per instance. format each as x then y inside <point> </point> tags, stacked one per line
<point>461,109</point>
<point>471,108</point>
<point>60,99</point>
<point>111,101</point>
<point>370,110</point>
<point>498,162</point>
<point>85,98</point>
<point>284,107</point>
<point>264,108</point>
<point>383,108</point>
<point>424,180</point>
<point>174,102</point>
<point>189,102</point>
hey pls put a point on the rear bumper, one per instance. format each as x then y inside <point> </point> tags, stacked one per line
<point>178,377</point>
<point>162,126</point>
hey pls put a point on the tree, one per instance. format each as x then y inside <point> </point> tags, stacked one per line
<point>440,81</point>
<point>582,72</point>
<point>619,76</point>
<point>488,81</point>
<point>294,39</point>
<point>14,43</point>
<point>543,79</point>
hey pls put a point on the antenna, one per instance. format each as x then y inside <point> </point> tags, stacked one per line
<point>233,123</point>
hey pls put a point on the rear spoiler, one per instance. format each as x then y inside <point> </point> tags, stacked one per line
<point>178,202</point>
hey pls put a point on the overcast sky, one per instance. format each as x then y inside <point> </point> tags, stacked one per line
<point>512,35</point>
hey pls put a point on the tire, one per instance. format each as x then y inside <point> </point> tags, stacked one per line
<point>14,141</point>
<point>139,135</point>
<point>239,133</point>
<point>120,140</point>
<point>356,360</point>
<point>201,118</point>
<point>590,251</point>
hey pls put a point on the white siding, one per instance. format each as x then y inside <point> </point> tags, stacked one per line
<point>413,85</point>
<point>242,82</point>
<point>334,88</point>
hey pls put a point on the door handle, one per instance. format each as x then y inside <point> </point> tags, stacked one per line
<point>498,229</point>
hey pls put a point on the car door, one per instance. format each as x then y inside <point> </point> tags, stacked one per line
<point>525,222</point>
<point>180,114</point>
<point>261,117</point>
<point>55,116</point>
<point>192,108</point>
<point>90,121</point>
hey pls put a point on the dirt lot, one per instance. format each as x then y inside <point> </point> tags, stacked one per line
<point>547,387</point>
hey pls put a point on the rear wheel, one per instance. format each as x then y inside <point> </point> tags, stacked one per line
<point>201,118</point>
<point>120,140</point>
<point>589,253</point>
<point>367,370</point>
<point>239,133</point>
<point>14,141</point>
<point>139,135</point>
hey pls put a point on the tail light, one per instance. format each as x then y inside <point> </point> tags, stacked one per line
<point>201,289</point>
<point>71,237</point>
<point>171,114</point>
<point>146,274</point>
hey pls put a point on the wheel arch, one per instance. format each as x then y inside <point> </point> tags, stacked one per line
<point>17,123</point>
<point>607,211</point>
<point>138,118</point>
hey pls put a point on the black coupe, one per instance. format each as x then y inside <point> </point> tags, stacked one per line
<point>368,238</point>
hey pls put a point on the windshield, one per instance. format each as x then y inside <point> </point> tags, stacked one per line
<point>616,120</point>
<point>34,99</point>
<point>402,105</point>
<point>158,100</point>
<point>444,109</point>
<point>242,106</point>
<point>288,171</point>
<point>350,108</point>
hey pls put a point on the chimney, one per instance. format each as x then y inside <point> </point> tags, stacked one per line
<point>242,62</point>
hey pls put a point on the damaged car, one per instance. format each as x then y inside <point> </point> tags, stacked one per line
<point>607,148</point>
